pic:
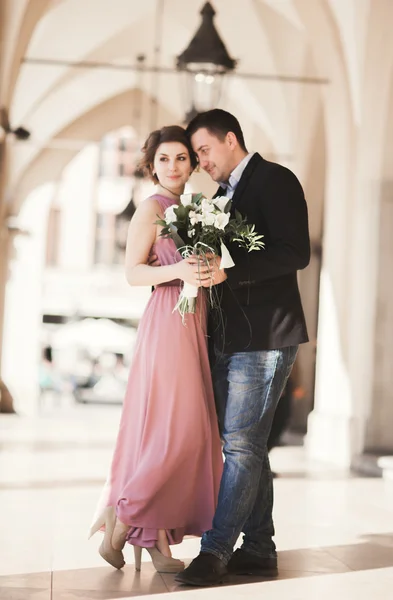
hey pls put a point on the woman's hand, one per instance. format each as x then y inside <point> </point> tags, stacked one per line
<point>195,271</point>
<point>206,271</point>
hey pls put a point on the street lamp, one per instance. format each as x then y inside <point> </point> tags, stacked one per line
<point>204,63</point>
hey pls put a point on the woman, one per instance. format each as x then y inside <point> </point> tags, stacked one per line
<point>167,463</point>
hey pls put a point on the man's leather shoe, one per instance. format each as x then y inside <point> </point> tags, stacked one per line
<point>245,563</point>
<point>205,569</point>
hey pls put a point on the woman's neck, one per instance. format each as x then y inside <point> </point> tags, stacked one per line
<point>163,191</point>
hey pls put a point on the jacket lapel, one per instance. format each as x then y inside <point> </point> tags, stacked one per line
<point>219,192</point>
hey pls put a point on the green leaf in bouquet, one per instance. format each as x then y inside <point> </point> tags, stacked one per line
<point>181,213</point>
<point>160,222</point>
<point>249,239</point>
<point>228,206</point>
<point>238,217</point>
<point>197,198</point>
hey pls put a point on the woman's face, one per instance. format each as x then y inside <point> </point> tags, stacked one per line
<point>172,165</point>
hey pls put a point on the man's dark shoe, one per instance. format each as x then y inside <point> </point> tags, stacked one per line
<point>205,569</point>
<point>245,563</point>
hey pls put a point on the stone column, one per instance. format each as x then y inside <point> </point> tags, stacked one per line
<point>21,350</point>
<point>6,401</point>
<point>331,427</point>
<point>377,456</point>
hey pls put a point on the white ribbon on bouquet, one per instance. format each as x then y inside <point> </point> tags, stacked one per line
<point>226,258</point>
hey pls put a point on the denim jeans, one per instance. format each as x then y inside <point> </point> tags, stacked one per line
<point>247,387</point>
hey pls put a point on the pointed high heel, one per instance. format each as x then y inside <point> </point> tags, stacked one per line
<point>100,522</point>
<point>111,555</point>
<point>161,563</point>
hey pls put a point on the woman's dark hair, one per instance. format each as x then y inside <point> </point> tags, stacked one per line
<point>171,133</point>
<point>218,122</point>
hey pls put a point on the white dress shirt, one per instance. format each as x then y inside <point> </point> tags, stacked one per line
<point>234,178</point>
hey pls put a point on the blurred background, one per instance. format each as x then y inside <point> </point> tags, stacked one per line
<point>82,83</point>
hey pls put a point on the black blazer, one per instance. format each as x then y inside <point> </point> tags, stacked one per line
<point>259,306</point>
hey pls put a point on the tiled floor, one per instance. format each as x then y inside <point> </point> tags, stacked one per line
<point>334,532</point>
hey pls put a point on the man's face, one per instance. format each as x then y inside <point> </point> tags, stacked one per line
<point>215,156</point>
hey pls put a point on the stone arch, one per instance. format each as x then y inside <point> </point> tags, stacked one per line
<point>50,162</point>
<point>32,13</point>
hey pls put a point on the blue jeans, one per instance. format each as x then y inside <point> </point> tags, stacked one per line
<point>247,387</point>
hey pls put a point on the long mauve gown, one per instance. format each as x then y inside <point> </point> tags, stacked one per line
<point>167,464</point>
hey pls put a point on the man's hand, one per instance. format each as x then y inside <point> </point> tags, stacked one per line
<point>194,271</point>
<point>217,275</point>
<point>153,261</point>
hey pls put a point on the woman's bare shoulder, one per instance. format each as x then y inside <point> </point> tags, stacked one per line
<point>149,205</point>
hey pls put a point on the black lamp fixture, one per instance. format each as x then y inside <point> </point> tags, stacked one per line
<point>19,133</point>
<point>204,62</point>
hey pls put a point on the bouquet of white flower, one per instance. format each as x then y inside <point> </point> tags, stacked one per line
<point>207,224</point>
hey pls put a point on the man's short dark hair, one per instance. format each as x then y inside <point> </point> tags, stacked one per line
<point>218,122</point>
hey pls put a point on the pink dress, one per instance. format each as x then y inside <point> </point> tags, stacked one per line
<point>167,464</point>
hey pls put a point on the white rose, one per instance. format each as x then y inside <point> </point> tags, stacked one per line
<point>207,206</point>
<point>208,218</point>
<point>194,218</point>
<point>191,232</point>
<point>221,220</point>
<point>221,202</point>
<point>170,215</point>
<point>186,199</point>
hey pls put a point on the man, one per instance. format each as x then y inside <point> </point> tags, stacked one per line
<point>256,330</point>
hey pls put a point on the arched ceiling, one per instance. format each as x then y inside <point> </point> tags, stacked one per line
<point>49,163</point>
<point>266,36</point>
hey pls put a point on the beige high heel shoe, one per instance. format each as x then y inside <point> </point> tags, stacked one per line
<point>161,563</point>
<point>119,535</point>
<point>107,551</point>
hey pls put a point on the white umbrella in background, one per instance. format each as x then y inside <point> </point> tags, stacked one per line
<point>95,335</point>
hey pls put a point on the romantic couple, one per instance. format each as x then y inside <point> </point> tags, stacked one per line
<point>167,478</point>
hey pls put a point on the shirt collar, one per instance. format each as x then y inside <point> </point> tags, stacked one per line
<point>236,174</point>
